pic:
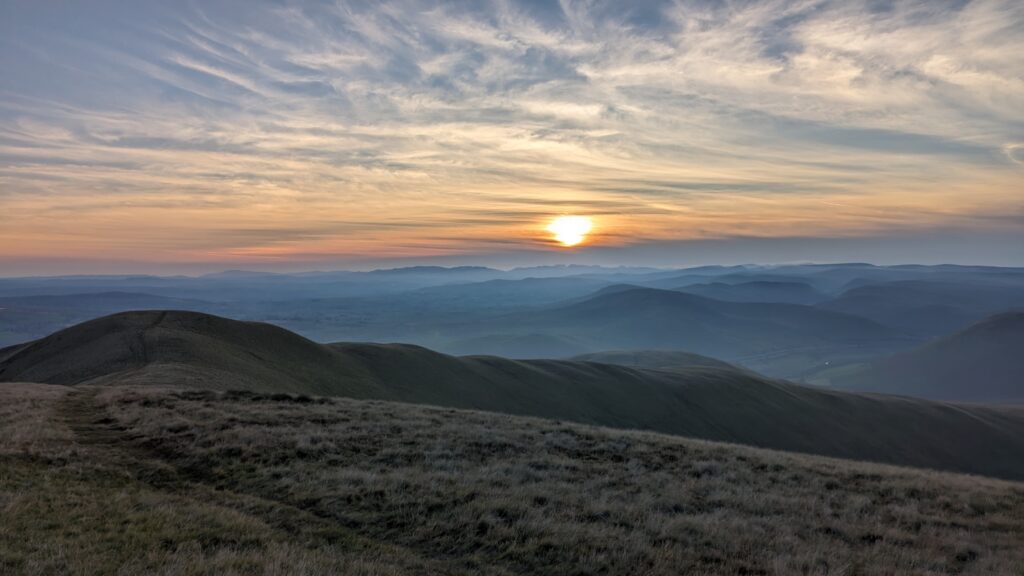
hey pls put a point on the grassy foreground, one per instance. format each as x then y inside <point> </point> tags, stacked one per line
<point>123,480</point>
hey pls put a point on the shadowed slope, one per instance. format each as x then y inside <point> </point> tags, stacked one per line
<point>984,363</point>
<point>719,403</point>
<point>536,345</point>
<point>654,359</point>
<point>183,348</point>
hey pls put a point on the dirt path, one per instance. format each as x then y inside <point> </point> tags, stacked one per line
<point>95,431</point>
<point>92,426</point>
<point>99,436</point>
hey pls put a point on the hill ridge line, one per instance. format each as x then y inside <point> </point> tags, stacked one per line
<point>712,403</point>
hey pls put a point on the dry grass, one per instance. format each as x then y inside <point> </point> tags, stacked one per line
<point>481,493</point>
<point>74,505</point>
<point>180,482</point>
<point>27,424</point>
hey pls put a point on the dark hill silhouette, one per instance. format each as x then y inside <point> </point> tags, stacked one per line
<point>983,363</point>
<point>183,347</point>
<point>720,403</point>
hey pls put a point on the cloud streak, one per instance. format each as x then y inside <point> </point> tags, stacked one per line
<point>413,129</point>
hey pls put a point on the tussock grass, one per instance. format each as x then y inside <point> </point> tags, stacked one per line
<point>476,493</point>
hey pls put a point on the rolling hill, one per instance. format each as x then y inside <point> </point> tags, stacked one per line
<point>31,316</point>
<point>533,345</point>
<point>189,348</point>
<point>654,359</point>
<point>929,308</point>
<point>983,363</point>
<point>718,403</point>
<point>503,293</point>
<point>758,291</point>
<point>628,317</point>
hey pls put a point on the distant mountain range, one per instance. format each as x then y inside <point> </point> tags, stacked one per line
<point>706,400</point>
<point>799,321</point>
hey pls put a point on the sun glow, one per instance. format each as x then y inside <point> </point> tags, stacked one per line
<point>570,230</point>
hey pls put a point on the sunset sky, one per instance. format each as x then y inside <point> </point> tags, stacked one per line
<point>195,136</point>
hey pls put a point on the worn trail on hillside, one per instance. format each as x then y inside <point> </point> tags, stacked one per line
<point>96,431</point>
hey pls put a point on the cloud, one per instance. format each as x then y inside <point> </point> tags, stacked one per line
<point>404,125</point>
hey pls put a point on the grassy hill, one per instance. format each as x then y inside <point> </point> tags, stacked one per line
<point>654,359</point>
<point>146,480</point>
<point>983,363</point>
<point>712,402</point>
<point>532,345</point>
<point>184,348</point>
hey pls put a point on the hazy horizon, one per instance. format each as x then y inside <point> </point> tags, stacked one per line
<point>981,250</point>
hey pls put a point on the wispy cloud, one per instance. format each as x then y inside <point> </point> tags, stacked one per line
<point>412,128</point>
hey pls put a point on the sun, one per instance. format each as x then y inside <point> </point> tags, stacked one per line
<point>570,230</point>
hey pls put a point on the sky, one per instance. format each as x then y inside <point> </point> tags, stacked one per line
<point>194,136</point>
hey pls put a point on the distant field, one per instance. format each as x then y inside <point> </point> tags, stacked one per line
<point>122,480</point>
